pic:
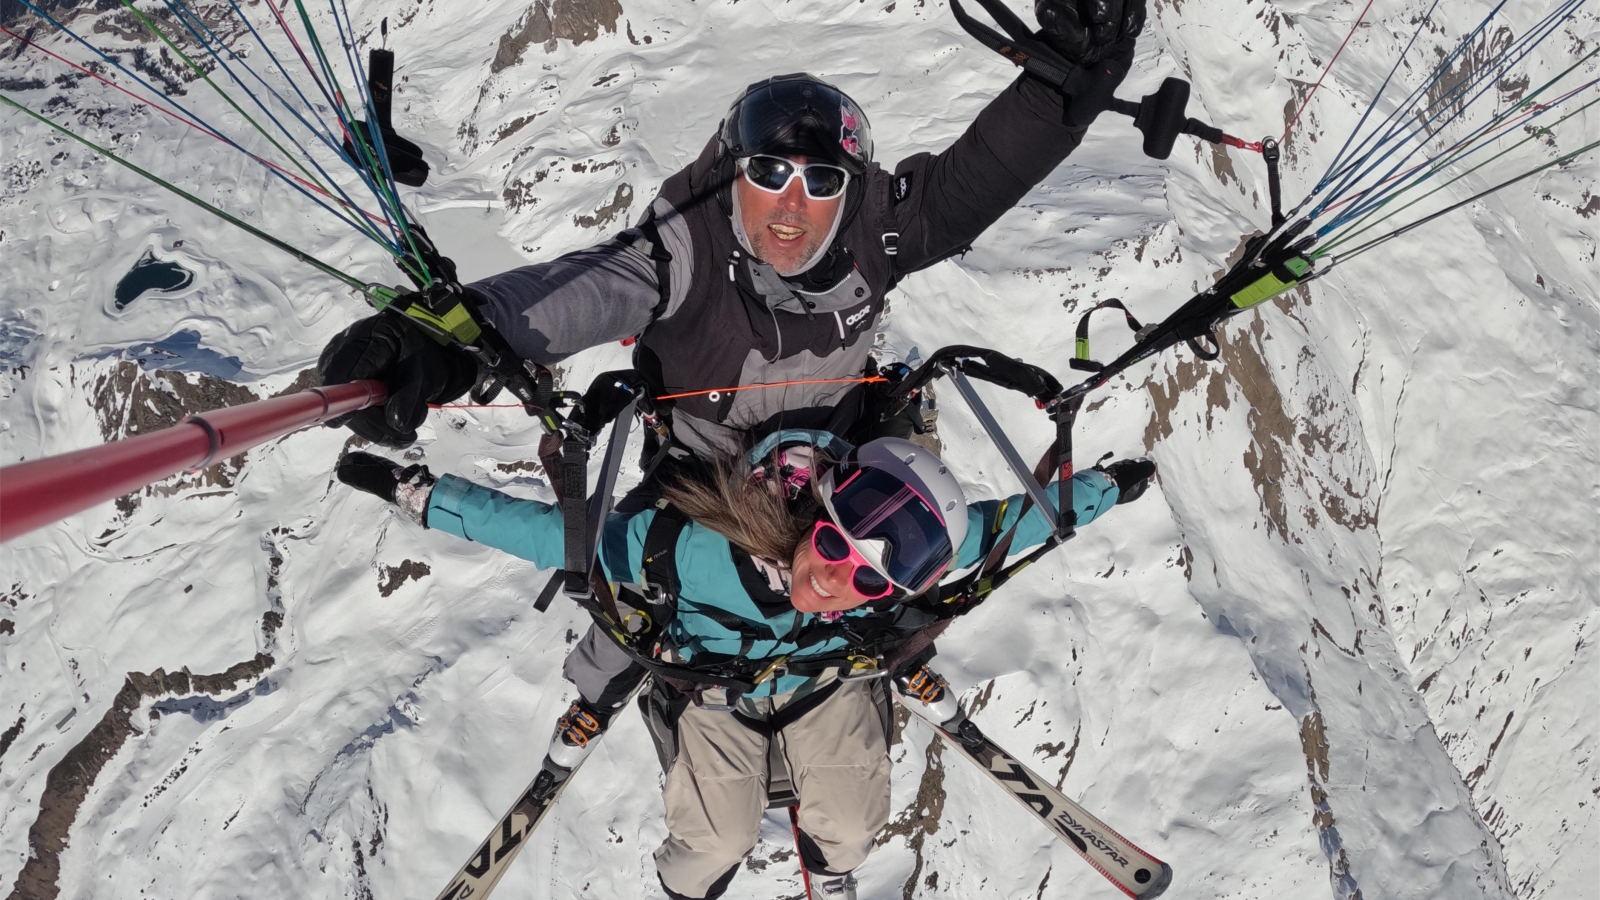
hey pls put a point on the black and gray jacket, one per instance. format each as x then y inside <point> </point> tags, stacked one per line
<point>724,319</point>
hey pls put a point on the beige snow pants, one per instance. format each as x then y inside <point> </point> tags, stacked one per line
<point>717,790</point>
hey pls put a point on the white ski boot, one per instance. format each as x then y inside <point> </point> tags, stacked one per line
<point>576,733</point>
<point>834,887</point>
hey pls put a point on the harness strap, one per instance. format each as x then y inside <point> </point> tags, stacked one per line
<point>661,585</point>
<point>1269,153</point>
<point>890,226</point>
<point>961,596</point>
<point>1080,359</point>
<point>663,261</point>
<point>602,605</point>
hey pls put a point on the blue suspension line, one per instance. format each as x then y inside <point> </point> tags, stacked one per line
<point>320,128</point>
<point>374,132</point>
<point>1450,106</point>
<point>341,108</point>
<point>184,15</point>
<point>1353,168</point>
<point>1384,131</point>
<point>198,119</point>
<point>333,102</point>
<point>1376,96</point>
<point>1381,193</point>
<point>1356,167</point>
<point>1487,76</point>
<point>326,136</point>
<point>1349,229</point>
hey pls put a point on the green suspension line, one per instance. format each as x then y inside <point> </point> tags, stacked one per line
<point>1356,229</point>
<point>379,294</point>
<point>1439,163</point>
<point>294,160</point>
<point>1454,206</point>
<point>388,195</point>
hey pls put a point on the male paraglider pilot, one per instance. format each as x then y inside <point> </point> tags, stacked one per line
<point>766,261</point>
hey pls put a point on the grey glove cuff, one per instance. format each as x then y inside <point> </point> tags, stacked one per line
<point>413,492</point>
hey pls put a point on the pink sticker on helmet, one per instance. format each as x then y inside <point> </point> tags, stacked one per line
<point>849,124</point>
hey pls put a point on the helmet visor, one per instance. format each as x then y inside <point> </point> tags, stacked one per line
<point>800,116</point>
<point>894,527</point>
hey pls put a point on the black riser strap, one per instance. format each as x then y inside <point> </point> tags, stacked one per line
<point>575,514</point>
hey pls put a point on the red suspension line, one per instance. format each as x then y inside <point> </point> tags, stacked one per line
<point>1496,132</point>
<point>309,68</point>
<point>200,128</point>
<point>1324,72</point>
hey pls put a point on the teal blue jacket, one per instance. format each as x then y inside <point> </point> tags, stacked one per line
<point>712,574</point>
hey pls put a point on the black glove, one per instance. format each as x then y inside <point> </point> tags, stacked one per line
<point>1098,36</point>
<point>1087,31</point>
<point>408,487</point>
<point>369,473</point>
<point>1131,476</point>
<point>417,369</point>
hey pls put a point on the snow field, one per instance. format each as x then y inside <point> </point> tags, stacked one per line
<point>1344,646</point>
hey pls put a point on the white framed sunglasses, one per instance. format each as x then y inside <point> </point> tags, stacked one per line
<point>823,181</point>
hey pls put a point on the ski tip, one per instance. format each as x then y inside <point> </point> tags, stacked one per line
<point>1158,885</point>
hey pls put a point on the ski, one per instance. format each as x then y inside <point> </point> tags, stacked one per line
<point>482,872</point>
<point>1135,872</point>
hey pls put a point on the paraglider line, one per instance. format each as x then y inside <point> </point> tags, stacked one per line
<point>1325,70</point>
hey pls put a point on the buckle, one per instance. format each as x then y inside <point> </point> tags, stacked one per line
<point>775,669</point>
<point>862,668</point>
<point>654,594</point>
<point>702,699</point>
<point>645,622</point>
<point>891,242</point>
<point>924,685</point>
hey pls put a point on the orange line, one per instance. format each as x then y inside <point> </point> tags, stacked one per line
<point>875,379</point>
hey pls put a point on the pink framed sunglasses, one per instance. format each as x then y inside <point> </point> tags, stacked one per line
<point>829,543</point>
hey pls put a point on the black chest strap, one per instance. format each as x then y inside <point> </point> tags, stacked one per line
<point>660,558</point>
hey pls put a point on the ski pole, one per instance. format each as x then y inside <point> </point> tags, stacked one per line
<point>41,491</point>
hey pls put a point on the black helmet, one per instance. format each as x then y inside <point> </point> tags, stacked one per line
<point>798,115</point>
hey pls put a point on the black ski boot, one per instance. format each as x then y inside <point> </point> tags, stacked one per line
<point>576,733</point>
<point>1131,476</point>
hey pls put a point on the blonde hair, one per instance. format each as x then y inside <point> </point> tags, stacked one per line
<point>753,515</point>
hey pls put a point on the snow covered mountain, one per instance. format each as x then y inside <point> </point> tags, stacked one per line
<point>1345,648</point>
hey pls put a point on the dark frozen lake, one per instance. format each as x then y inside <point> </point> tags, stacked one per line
<point>151,274</point>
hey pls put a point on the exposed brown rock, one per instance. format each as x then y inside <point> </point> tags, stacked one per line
<point>921,819</point>
<point>69,780</point>
<point>608,213</point>
<point>1279,439</point>
<point>10,735</point>
<point>304,380</point>
<point>549,21</point>
<point>129,401</point>
<point>391,577</point>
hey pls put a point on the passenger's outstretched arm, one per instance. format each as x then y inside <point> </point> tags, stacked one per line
<point>526,528</point>
<point>1092,494</point>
